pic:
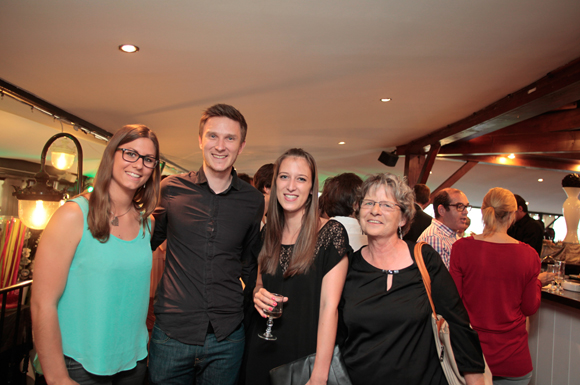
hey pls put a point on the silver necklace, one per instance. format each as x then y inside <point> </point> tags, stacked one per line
<point>115,220</point>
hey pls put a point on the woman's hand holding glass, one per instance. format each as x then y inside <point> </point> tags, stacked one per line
<point>560,272</point>
<point>552,270</point>
<point>546,278</point>
<point>268,305</point>
<point>265,301</point>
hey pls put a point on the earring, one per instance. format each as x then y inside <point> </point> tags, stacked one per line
<point>400,232</point>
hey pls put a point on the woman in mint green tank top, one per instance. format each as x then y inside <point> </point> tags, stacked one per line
<point>92,270</point>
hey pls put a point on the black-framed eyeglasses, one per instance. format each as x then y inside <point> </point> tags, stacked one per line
<point>132,156</point>
<point>368,204</point>
<point>460,207</point>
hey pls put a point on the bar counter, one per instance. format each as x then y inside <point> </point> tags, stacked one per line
<point>554,339</point>
<point>568,298</point>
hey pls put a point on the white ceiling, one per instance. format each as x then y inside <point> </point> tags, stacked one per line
<point>304,73</point>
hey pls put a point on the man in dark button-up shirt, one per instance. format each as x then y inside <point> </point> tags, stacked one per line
<point>211,220</point>
<point>526,229</point>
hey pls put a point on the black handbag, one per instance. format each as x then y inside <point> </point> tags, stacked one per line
<point>298,372</point>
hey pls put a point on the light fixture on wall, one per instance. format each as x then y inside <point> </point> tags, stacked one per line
<point>40,199</point>
<point>62,154</point>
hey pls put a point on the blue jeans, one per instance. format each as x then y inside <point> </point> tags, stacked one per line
<point>523,380</point>
<point>215,363</point>
<point>133,376</point>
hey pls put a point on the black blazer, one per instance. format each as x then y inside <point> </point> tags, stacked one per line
<point>421,221</point>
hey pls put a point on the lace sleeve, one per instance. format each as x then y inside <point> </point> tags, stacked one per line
<point>332,244</point>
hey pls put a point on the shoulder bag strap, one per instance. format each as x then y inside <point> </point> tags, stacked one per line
<point>424,273</point>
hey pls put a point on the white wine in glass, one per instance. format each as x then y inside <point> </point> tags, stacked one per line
<point>276,312</point>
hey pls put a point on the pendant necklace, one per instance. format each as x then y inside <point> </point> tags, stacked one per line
<point>115,220</point>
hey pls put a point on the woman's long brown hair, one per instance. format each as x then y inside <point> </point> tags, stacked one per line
<point>303,252</point>
<point>145,198</point>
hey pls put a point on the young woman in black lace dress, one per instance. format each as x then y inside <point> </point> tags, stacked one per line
<point>304,259</point>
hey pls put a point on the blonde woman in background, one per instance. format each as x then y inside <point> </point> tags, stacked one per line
<point>497,278</point>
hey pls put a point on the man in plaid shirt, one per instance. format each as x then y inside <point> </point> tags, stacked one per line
<point>451,207</point>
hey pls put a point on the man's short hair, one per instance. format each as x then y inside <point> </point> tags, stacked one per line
<point>226,111</point>
<point>245,177</point>
<point>263,177</point>
<point>339,195</point>
<point>422,193</point>
<point>521,202</point>
<point>443,198</point>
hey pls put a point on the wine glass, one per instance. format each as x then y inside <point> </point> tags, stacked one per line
<point>276,312</point>
<point>560,271</point>
<point>553,270</point>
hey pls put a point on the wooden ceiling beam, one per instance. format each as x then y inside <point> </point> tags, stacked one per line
<point>428,165</point>
<point>567,120</point>
<point>553,142</point>
<point>413,166</point>
<point>467,166</point>
<point>531,162</point>
<point>563,155</point>
<point>557,88</point>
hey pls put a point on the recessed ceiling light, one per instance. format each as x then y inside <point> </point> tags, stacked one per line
<point>511,156</point>
<point>384,100</point>
<point>540,180</point>
<point>129,48</point>
<point>340,142</point>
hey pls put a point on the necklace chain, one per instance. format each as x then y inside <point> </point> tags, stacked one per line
<point>115,220</point>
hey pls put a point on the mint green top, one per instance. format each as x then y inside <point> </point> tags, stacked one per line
<point>103,308</point>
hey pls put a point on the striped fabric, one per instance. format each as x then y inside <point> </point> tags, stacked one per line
<point>441,238</point>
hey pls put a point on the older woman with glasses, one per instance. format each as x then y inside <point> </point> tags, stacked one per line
<point>497,278</point>
<point>386,328</point>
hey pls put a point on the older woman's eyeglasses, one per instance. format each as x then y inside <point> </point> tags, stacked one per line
<point>133,156</point>
<point>368,204</point>
<point>460,207</point>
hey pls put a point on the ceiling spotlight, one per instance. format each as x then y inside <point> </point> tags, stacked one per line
<point>341,142</point>
<point>540,180</point>
<point>384,100</point>
<point>511,156</point>
<point>129,48</point>
<point>502,159</point>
